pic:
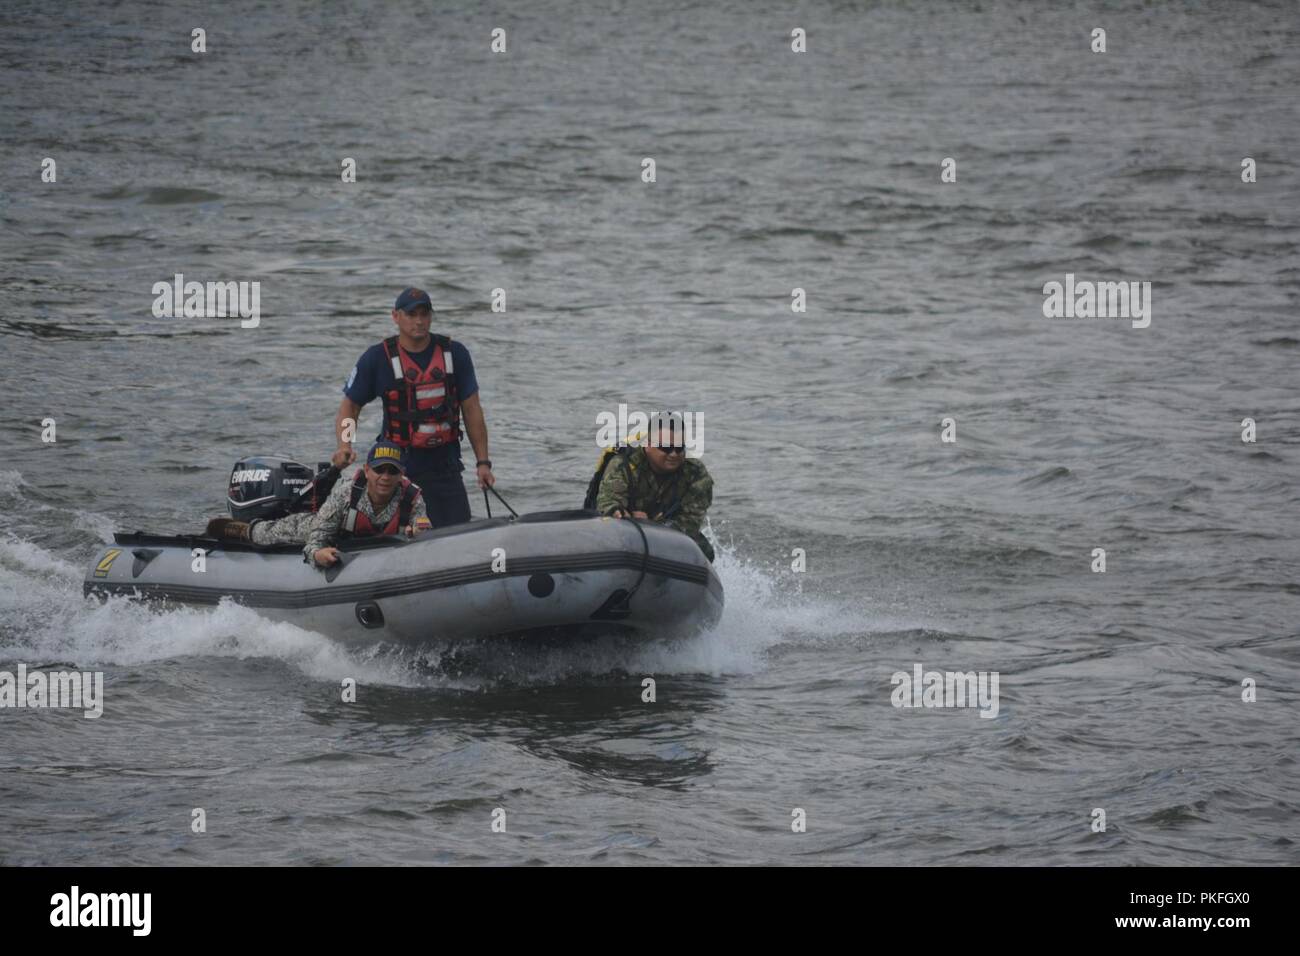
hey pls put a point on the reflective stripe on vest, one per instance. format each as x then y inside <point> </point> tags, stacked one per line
<point>422,408</point>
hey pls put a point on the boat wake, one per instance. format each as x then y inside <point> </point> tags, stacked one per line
<point>44,618</point>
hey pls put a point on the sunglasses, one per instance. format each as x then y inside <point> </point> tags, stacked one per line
<point>673,449</point>
<point>386,470</point>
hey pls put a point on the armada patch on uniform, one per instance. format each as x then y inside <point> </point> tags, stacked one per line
<point>106,562</point>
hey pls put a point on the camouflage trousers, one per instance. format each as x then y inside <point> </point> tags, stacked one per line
<point>291,529</point>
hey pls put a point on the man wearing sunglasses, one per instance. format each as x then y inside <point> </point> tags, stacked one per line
<point>427,386</point>
<point>658,482</point>
<point>379,500</point>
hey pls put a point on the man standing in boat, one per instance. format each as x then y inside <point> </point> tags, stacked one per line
<point>428,386</point>
<point>658,482</point>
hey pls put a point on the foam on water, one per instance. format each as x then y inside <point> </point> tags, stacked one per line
<point>99,525</point>
<point>11,483</point>
<point>46,618</point>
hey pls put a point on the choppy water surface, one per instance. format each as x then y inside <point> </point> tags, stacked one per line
<point>820,171</point>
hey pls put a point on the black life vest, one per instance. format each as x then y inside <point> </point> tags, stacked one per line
<point>422,408</point>
<point>357,524</point>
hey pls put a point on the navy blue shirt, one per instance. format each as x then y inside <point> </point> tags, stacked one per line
<point>373,375</point>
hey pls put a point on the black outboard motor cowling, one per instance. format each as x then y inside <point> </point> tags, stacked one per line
<point>268,486</point>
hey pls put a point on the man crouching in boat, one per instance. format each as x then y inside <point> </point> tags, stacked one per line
<point>657,481</point>
<point>379,500</point>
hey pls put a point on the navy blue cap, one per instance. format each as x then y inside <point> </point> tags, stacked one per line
<point>411,299</point>
<point>386,453</point>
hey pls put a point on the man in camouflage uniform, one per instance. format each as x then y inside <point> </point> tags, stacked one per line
<point>378,506</point>
<point>657,481</point>
<point>384,470</point>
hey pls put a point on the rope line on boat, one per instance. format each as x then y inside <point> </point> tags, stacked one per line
<point>645,562</point>
<point>488,504</point>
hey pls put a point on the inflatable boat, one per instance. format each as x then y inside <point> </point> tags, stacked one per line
<point>559,573</point>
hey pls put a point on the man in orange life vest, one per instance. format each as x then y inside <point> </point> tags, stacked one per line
<point>427,385</point>
<point>378,500</point>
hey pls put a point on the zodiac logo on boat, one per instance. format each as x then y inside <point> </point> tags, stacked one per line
<point>106,562</point>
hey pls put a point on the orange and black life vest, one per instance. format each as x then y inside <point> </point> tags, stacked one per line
<point>422,409</point>
<point>355,521</point>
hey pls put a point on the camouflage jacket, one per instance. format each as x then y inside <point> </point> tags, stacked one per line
<point>632,485</point>
<point>324,531</point>
<point>291,529</point>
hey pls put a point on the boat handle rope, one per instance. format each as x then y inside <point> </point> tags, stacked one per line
<point>487,504</point>
<point>645,563</point>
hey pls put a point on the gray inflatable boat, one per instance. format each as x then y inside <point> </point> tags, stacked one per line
<point>561,573</point>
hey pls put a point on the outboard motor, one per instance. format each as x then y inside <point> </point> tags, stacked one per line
<point>269,486</point>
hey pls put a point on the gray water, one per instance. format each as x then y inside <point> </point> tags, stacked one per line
<point>1119,690</point>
